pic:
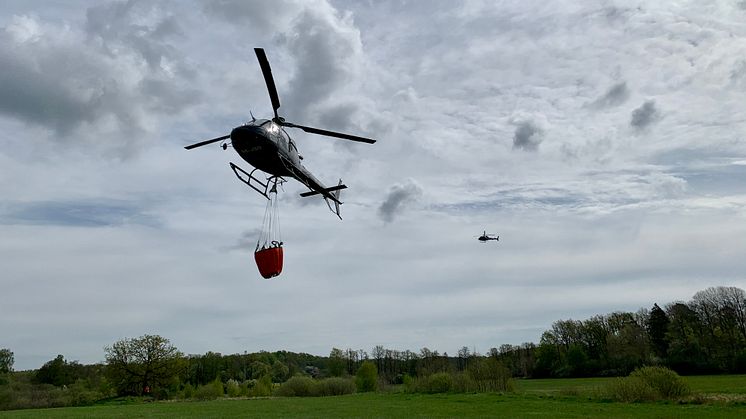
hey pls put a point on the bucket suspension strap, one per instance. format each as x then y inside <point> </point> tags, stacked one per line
<point>270,235</point>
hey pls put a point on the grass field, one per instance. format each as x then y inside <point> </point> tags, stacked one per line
<point>707,384</point>
<point>556,398</point>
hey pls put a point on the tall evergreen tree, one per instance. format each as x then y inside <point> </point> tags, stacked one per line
<point>657,325</point>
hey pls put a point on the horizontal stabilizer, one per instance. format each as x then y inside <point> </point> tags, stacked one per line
<point>332,189</point>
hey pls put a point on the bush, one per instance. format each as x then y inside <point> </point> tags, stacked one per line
<point>463,383</point>
<point>298,386</point>
<point>336,386</point>
<point>187,392</point>
<point>79,394</point>
<point>629,389</point>
<point>210,391</point>
<point>648,384</point>
<point>440,382</point>
<point>233,388</point>
<point>262,387</point>
<point>666,383</point>
<point>489,375</point>
<point>366,378</point>
<point>408,383</point>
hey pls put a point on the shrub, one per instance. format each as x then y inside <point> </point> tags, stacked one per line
<point>440,382</point>
<point>298,386</point>
<point>336,386</point>
<point>187,392</point>
<point>367,377</point>
<point>463,383</point>
<point>409,383</point>
<point>79,394</point>
<point>630,389</point>
<point>262,387</point>
<point>666,383</point>
<point>489,375</point>
<point>647,384</point>
<point>232,388</point>
<point>210,391</point>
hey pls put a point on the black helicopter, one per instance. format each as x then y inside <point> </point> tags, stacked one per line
<point>487,237</point>
<point>264,144</point>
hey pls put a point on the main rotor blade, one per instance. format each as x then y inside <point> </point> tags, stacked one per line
<point>189,147</point>
<point>267,72</point>
<point>329,133</point>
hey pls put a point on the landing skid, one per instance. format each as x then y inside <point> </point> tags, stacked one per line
<point>263,187</point>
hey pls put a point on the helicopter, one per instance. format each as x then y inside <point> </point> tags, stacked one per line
<point>265,145</point>
<point>487,237</point>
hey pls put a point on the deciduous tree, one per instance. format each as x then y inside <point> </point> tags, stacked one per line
<point>59,372</point>
<point>336,362</point>
<point>6,361</point>
<point>367,377</point>
<point>149,363</point>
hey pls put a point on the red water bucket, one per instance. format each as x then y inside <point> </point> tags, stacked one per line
<point>269,261</point>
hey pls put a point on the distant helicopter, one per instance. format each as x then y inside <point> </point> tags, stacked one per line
<point>265,145</point>
<point>487,237</point>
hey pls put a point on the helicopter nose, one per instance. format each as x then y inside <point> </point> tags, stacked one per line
<point>246,134</point>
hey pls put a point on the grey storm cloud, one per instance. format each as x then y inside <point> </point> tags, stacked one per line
<point>615,96</point>
<point>327,49</point>
<point>324,43</point>
<point>48,84</point>
<point>62,78</point>
<point>115,24</point>
<point>645,115</point>
<point>400,195</point>
<point>528,135</point>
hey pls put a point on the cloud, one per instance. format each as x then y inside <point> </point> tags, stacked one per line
<point>328,51</point>
<point>76,214</point>
<point>400,195</point>
<point>247,241</point>
<point>529,132</point>
<point>615,96</point>
<point>645,115</point>
<point>738,74</point>
<point>101,86</point>
<point>263,15</point>
<point>325,46</point>
<point>121,23</point>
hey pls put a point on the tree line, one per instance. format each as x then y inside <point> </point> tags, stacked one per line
<point>704,335</point>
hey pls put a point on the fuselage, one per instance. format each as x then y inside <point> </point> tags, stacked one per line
<point>266,146</point>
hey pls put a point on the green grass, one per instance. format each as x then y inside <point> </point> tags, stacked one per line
<point>556,386</point>
<point>396,405</point>
<point>551,398</point>
<point>707,384</point>
<point>719,384</point>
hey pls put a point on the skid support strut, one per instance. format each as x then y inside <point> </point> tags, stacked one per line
<point>263,187</point>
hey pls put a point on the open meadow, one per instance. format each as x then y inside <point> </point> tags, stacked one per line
<point>715,396</point>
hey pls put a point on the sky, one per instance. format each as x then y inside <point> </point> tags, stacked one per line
<point>602,140</point>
